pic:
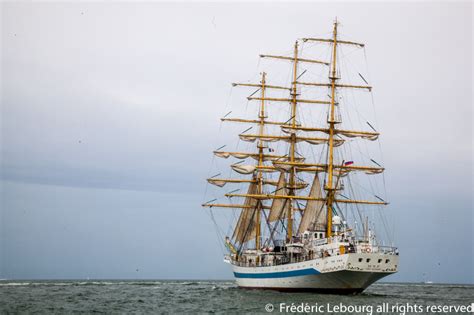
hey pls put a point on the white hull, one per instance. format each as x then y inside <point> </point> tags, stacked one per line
<point>348,273</point>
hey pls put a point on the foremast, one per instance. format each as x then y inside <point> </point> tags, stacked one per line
<point>331,121</point>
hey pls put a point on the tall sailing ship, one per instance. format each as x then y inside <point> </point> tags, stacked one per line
<point>292,229</point>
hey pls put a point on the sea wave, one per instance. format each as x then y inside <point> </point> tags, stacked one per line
<point>7,284</point>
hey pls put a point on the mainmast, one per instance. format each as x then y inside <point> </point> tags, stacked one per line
<point>331,121</point>
<point>260,146</point>
<point>292,143</point>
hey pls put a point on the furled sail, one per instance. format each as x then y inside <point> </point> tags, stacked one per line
<point>279,207</point>
<point>281,166</point>
<point>247,138</point>
<point>252,138</point>
<point>346,133</point>
<point>223,155</point>
<point>337,142</point>
<point>313,213</point>
<point>316,142</point>
<point>288,131</point>
<point>351,134</point>
<point>374,171</point>
<point>243,169</point>
<point>246,227</point>
<point>255,156</point>
<point>217,182</point>
<point>237,155</point>
<point>241,155</point>
<point>370,137</point>
<point>273,138</point>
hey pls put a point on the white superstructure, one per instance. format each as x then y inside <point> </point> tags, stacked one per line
<point>341,266</point>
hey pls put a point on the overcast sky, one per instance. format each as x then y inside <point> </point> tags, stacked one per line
<point>109,114</point>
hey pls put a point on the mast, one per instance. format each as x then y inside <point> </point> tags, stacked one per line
<point>289,165</point>
<point>329,188</point>
<point>293,143</point>
<point>260,146</point>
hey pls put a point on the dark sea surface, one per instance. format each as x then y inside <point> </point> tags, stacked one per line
<point>155,297</point>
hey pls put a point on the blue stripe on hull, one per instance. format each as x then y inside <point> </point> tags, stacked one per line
<point>282,274</point>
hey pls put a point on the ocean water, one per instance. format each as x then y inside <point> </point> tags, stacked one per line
<point>221,297</point>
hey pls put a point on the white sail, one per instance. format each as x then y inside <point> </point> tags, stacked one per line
<point>246,228</point>
<point>350,134</point>
<point>247,138</point>
<point>252,138</point>
<point>255,156</point>
<point>241,155</point>
<point>281,166</point>
<point>316,142</point>
<point>370,137</point>
<point>217,182</point>
<point>374,171</point>
<point>279,207</point>
<point>313,213</point>
<point>224,155</point>
<point>243,169</point>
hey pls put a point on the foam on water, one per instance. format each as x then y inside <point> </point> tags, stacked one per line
<point>159,296</point>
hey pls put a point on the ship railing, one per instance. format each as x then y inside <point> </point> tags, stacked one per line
<point>367,248</point>
<point>277,262</point>
<point>388,250</point>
